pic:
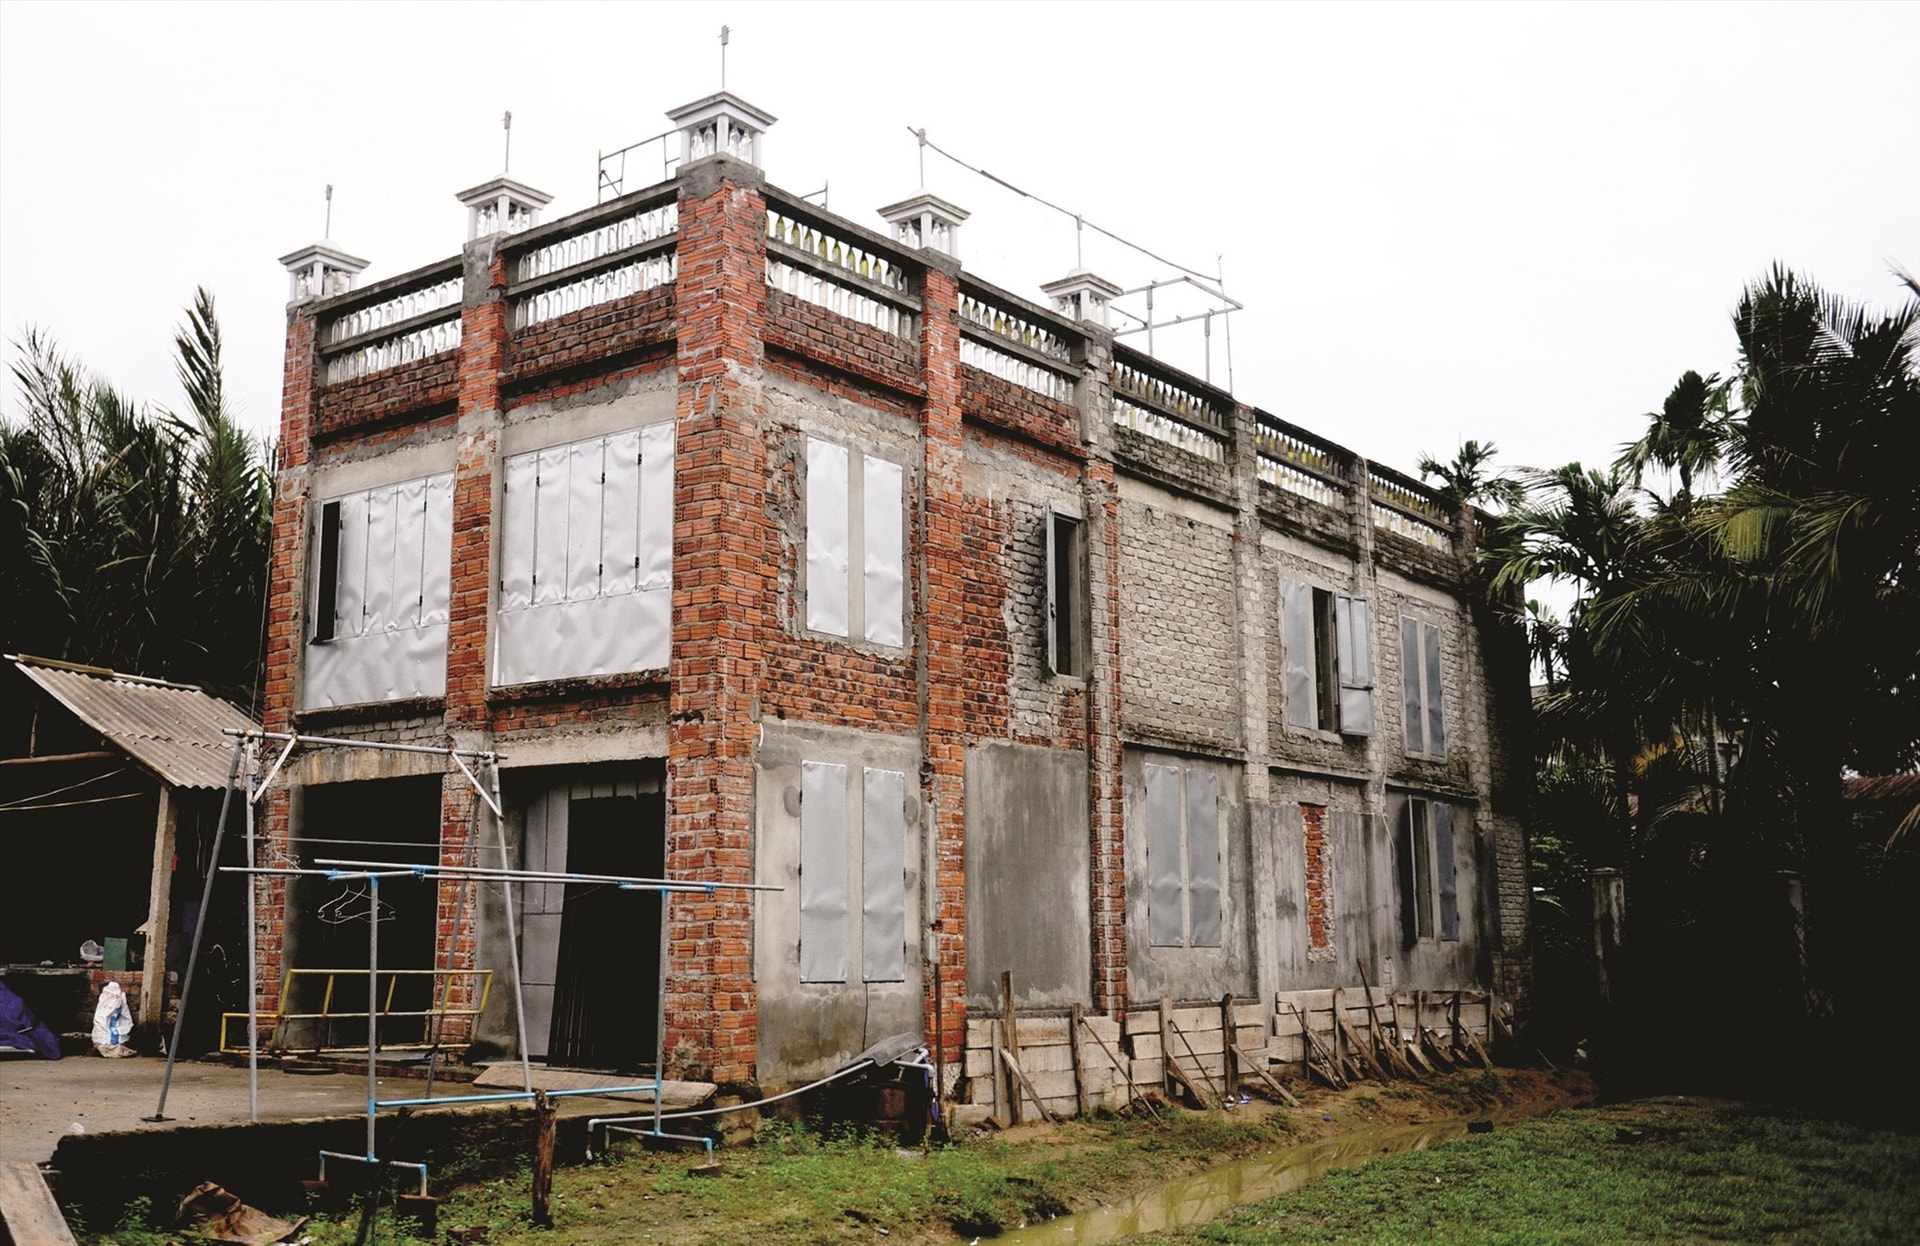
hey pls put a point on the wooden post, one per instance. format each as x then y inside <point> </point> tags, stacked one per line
<point>1079,1068</point>
<point>1230,1075</point>
<point>545,1117</point>
<point>153,975</point>
<point>1166,1048</point>
<point>1013,1042</point>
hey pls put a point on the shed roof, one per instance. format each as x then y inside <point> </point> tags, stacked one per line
<point>172,729</point>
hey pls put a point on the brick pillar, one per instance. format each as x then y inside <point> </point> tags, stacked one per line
<point>722,595</point>
<point>286,583</point>
<point>483,343</point>
<point>942,651</point>
<point>1106,795</point>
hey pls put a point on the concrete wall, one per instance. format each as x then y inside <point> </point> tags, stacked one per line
<point>1028,885</point>
<point>809,1029</point>
<point>1191,973</point>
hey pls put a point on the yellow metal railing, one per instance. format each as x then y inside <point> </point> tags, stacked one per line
<point>322,1024</point>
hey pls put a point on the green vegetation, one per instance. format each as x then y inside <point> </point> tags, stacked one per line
<point>1683,1171</point>
<point>133,537</point>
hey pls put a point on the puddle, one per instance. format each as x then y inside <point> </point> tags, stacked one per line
<point>1196,1199</point>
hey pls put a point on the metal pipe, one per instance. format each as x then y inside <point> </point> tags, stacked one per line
<point>253,952</point>
<point>653,1133</point>
<point>542,876</point>
<point>660,1024</point>
<point>273,771</point>
<point>513,935</point>
<point>492,803</point>
<point>382,745</point>
<point>368,1159</point>
<point>199,933</point>
<point>859,1066</point>
<point>373,1017</point>
<point>508,1096</point>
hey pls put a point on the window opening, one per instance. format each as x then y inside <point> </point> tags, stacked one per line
<point>1327,637</point>
<point>856,547</point>
<point>1420,678</point>
<point>1429,898</point>
<point>1068,623</point>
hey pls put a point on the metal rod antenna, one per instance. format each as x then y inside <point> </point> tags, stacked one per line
<point>329,226</point>
<point>199,933</point>
<point>253,948</point>
<point>506,158</point>
<point>1079,236</point>
<point>724,32</point>
<point>921,134</point>
<point>1220,276</point>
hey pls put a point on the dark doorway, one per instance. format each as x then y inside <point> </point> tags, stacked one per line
<point>395,820</point>
<point>606,1000</point>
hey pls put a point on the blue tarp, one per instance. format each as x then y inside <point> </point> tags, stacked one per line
<point>20,1028</point>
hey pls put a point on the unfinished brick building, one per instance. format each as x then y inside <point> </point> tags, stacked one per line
<point>768,548</point>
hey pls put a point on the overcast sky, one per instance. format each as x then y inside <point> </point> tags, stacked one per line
<point>1508,222</point>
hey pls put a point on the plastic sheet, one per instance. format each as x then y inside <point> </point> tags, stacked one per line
<point>390,595</point>
<point>827,538</point>
<point>883,899</point>
<point>823,872</point>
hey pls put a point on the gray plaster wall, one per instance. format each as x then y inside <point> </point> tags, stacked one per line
<point>1029,903</point>
<point>1191,973</point>
<point>809,1029</point>
<point>1179,627</point>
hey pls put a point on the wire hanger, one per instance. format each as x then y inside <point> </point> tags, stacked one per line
<point>353,904</point>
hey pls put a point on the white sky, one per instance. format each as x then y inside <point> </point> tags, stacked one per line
<point>1508,222</point>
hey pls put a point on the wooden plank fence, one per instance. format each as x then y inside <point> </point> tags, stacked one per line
<point>1028,1067</point>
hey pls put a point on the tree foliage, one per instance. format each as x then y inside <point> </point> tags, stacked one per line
<point>132,537</point>
<point>1774,621</point>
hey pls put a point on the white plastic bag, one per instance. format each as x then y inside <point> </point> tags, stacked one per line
<point>112,1022</point>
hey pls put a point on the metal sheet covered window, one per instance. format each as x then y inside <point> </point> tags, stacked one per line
<point>883,901</point>
<point>823,872</point>
<point>856,544</point>
<point>378,599</point>
<point>829,811</point>
<point>586,558</point>
<point>1184,868</point>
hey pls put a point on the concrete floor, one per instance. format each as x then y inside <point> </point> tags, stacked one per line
<point>40,1100</point>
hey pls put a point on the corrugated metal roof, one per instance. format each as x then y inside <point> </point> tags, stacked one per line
<point>171,729</point>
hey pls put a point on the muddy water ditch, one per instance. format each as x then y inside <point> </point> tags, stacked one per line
<point>1199,1197</point>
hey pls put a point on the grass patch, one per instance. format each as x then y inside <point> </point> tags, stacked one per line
<point>1694,1172</point>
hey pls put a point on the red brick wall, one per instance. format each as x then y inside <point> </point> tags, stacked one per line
<point>944,649</point>
<point>1313,820</point>
<point>722,590</point>
<point>424,387</point>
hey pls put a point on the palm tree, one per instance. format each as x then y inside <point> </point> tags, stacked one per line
<point>132,539</point>
<point>1468,480</point>
<point>1688,434</point>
